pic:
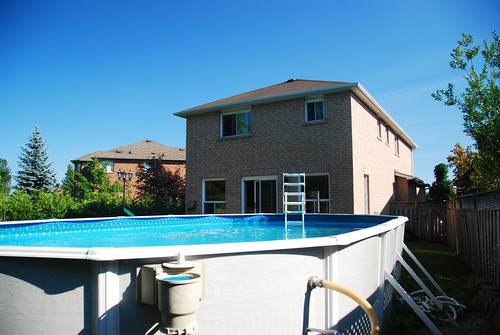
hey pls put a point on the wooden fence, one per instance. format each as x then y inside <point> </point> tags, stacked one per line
<point>426,220</point>
<point>474,232</point>
<point>475,235</point>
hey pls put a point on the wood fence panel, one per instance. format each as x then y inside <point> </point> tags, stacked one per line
<point>426,220</point>
<point>475,234</point>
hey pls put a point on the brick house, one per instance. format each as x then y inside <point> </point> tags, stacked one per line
<point>128,157</point>
<point>354,155</point>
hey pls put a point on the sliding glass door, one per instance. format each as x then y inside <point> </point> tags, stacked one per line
<point>259,195</point>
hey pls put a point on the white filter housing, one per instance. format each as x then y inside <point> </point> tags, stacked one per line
<point>178,301</point>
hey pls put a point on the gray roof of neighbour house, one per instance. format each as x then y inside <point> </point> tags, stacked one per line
<point>138,151</point>
<point>299,88</point>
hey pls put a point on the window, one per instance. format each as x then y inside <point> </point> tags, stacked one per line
<point>366,186</point>
<point>108,165</point>
<point>314,111</point>
<point>214,197</point>
<point>396,145</point>
<point>317,194</point>
<point>259,195</point>
<point>386,135</point>
<point>379,125</point>
<point>236,124</point>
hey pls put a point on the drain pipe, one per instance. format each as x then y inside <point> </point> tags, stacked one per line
<point>314,282</point>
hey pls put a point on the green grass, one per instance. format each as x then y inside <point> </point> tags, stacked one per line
<point>449,271</point>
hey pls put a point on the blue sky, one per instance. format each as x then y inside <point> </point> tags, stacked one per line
<point>95,75</point>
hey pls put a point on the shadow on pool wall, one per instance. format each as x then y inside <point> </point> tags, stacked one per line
<point>45,296</point>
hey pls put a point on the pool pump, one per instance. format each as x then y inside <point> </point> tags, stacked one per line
<point>176,288</point>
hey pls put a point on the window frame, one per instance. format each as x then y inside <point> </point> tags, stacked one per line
<point>109,165</point>
<point>319,201</point>
<point>247,112</point>
<point>306,110</point>
<point>380,123</point>
<point>396,145</point>
<point>214,202</point>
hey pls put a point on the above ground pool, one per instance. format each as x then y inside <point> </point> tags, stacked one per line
<point>166,231</point>
<point>83,276</point>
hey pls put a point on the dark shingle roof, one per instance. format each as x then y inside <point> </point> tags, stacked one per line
<point>139,151</point>
<point>289,87</point>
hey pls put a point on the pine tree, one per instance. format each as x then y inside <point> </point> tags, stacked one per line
<point>35,172</point>
<point>5,177</point>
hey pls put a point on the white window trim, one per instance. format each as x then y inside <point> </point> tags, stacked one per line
<point>203,200</point>
<point>244,179</point>
<point>319,200</point>
<point>240,111</point>
<point>396,145</point>
<point>307,101</point>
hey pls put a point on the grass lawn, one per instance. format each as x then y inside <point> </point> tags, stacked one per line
<point>455,278</point>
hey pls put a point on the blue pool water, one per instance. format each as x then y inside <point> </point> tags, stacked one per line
<point>165,231</point>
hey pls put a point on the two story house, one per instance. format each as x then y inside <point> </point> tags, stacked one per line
<point>127,158</point>
<point>354,155</point>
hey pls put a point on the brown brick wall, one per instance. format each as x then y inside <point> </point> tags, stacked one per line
<point>344,145</point>
<point>280,142</point>
<point>132,166</point>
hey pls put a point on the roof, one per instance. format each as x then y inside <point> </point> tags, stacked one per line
<point>418,181</point>
<point>138,151</point>
<point>299,88</point>
<point>290,86</point>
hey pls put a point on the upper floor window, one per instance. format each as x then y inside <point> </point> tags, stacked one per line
<point>314,110</point>
<point>236,124</point>
<point>108,165</point>
<point>387,133</point>
<point>396,145</point>
<point>379,125</point>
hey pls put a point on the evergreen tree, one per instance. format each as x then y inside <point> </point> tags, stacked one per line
<point>5,177</point>
<point>441,189</point>
<point>35,169</point>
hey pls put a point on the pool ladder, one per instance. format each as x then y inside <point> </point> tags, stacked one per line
<point>294,198</point>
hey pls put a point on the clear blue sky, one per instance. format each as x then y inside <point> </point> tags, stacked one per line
<point>97,74</point>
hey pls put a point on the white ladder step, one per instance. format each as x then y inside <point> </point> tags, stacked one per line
<point>292,184</point>
<point>295,203</point>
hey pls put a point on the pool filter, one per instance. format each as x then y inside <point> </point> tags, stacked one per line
<point>176,289</point>
<point>178,302</point>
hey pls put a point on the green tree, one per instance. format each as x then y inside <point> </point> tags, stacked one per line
<point>35,170</point>
<point>479,104</point>
<point>5,177</point>
<point>70,182</point>
<point>441,189</point>
<point>159,189</point>
<point>94,193</point>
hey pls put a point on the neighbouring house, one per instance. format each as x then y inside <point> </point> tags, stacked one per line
<point>128,157</point>
<point>356,158</point>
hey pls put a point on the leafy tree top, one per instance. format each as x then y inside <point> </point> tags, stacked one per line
<point>163,186</point>
<point>91,181</point>
<point>441,189</point>
<point>35,171</point>
<point>479,104</point>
